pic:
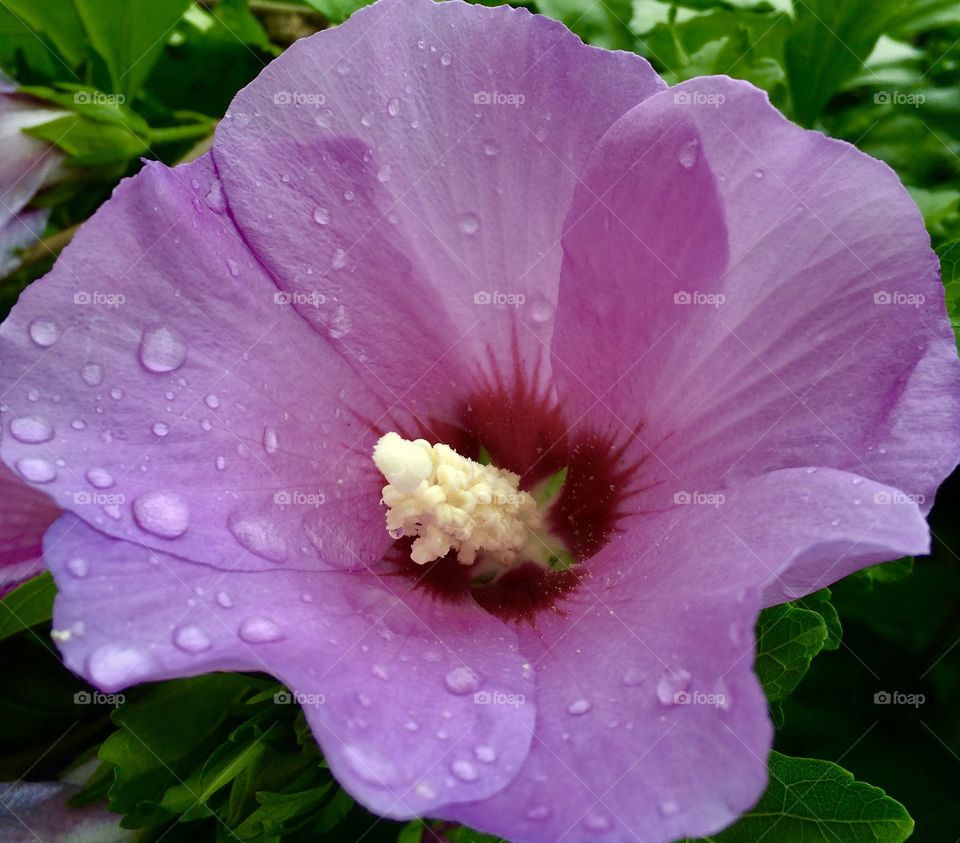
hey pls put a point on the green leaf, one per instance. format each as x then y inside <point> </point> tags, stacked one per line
<point>129,35</point>
<point>818,802</point>
<point>55,21</point>
<point>91,143</point>
<point>27,605</point>
<point>337,11</point>
<point>605,24</point>
<point>819,602</point>
<point>949,254</point>
<point>828,45</point>
<point>886,572</point>
<point>788,637</point>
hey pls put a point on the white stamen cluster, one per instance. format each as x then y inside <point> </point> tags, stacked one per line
<point>450,502</point>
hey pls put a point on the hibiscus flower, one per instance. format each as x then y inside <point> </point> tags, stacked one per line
<point>636,363</point>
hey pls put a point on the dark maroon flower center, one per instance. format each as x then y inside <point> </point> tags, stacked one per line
<point>521,428</point>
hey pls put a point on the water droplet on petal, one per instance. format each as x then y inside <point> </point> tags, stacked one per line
<point>161,429</point>
<point>464,770</point>
<point>538,812</point>
<point>191,639</point>
<point>672,684</point>
<point>339,259</point>
<point>340,323</point>
<point>689,153</point>
<point>486,754</point>
<point>36,469</point>
<point>212,401</point>
<point>260,536</point>
<point>161,350</point>
<point>462,680</point>
<point>113,665</point>
<point>270,440</point>
<point>31,430</point>
<point>233,267</point>
<point>579,707</point>
<point>669,808</point>
<point>370,767</point>
<point>161,513</point>
<point>78,566</point>
<point>384,173</point>
<point>215,200</point>
<point>596,822</point>
<point>469,223</point>
<point>259,630</point>
<point>92,374</point>
<point>491,148</point>
<point>446,59</point>
<point>224,600</point>
<point>393,107</point>
<point>367,118</point>
<point>99,478</point>
<point>321,216</point>
<point>44,332</point>
<point>220,463</point>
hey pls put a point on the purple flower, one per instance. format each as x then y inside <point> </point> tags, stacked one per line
<point>25,515</point>
<point>27,165</point>
<point>726,335</point>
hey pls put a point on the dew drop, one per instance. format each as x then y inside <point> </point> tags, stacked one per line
<point>464,770</point>
<point>446,59</point>
<point>259,536</point>
<point>671,683</point>
<point>270,440</point>
<point>669,808</point>
<point>32,430</point>
<point>92,374</point>
<point>579,707</point>
<point>44,332</point>
<point>469,223</point>
<point>78,567</point>
<point>596,822</point>
<point>161,513</point>
<point>36,469</point>
<point>233,267</point>
<point>321,216</point>
<point>538,812</point>
<point>491,149</point>
<point>191,639</point>
<point>340,323</point>
<point>689,153</point>
<point>486,754</point>
<point>161,429</point>
<point>99,478</point>
<point>215,200</point>
<point>339,259</point>
<point>161,350</point>
<point>393,107</point>
<point>224,600</point>
<point>113,665</point>
<point>462,680</point>
<point>384,173</point>
<point>220,463</point>
<point>116,393</point>
<point>349,195</point>
<point>212,401</point>
<point>259,630</point>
